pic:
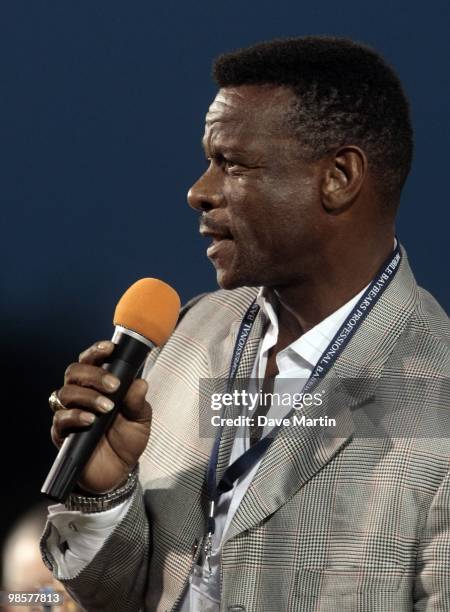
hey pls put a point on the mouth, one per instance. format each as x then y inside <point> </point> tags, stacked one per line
<point>218,246</point>
<point>221,240</point>
<point>217,232</point>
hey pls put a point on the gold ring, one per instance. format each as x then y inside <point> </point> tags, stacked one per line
<point>55,403</point>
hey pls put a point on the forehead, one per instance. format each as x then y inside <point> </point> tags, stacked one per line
<point>248,110</point>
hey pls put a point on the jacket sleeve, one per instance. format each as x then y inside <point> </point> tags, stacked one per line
<point>116,578</point>
<point>432,586</point>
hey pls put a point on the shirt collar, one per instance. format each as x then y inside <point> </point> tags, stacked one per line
<point>311,345</point>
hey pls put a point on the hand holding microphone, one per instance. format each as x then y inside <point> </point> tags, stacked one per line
<point>105,424</point>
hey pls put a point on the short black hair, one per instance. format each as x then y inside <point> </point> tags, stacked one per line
<point>346,94</point>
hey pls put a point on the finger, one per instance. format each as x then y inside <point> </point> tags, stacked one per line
<point>57,441</point>
<point>135,408</point>
<point>97,353</point>
<point>91,376</point>
<point>67,421</point>
<point>74,396</point>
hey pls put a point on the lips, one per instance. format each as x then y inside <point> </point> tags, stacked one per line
<point>221,239</point>
<point>216,232</point>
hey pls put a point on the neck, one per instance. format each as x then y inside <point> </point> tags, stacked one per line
<point>306,303</point>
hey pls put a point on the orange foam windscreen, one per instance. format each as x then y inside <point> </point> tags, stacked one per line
<point>150,308</point>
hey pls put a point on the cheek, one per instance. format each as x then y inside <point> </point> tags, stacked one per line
<point>272,214</point>
<point>250,209</point>
<point>294,207</point>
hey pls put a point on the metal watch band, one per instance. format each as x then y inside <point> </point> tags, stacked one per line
<point>99,503</point>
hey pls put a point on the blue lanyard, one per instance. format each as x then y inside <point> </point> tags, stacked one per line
<point>327,359</point>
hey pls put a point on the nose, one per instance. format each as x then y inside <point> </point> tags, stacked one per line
<point>206,193</point>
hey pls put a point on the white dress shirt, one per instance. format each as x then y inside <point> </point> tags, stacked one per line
<point>86,533</point>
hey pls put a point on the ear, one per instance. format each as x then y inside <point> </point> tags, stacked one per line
<point>343,179</point>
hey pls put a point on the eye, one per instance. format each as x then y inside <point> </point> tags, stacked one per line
<point>229,163</point>
<point>226,163</point>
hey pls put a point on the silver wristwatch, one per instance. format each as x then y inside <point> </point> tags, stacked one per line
<point>99,503</point>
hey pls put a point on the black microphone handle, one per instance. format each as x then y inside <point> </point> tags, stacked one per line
<point>125,362</point>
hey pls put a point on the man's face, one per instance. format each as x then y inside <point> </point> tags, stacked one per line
<point>260,202</point>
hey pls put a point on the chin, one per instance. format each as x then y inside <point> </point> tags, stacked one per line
<point>231,279</point>
<point>227,282</point>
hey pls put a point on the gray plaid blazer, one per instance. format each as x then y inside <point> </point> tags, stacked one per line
<point>349,518</point>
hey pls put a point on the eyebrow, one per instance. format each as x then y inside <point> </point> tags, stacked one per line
<point>227,149</point>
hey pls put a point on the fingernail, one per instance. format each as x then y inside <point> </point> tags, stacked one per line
<point>104,403</point>
<point>110,382</point>
<point>102,346</point>
<point>87,418</point>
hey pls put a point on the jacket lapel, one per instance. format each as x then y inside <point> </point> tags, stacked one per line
<point>298,452</point>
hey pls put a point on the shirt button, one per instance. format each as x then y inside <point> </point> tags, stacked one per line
<point>72,526</point>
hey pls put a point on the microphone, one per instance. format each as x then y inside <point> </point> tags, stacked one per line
<point>144,317</point>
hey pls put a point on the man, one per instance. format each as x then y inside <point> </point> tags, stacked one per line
<point>308,144</point>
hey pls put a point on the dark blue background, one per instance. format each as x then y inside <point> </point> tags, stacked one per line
<point>101,110</point>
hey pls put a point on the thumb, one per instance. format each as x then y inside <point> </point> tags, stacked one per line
<point>135,407</point>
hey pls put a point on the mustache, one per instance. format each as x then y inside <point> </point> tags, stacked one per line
<point>211,225</point>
